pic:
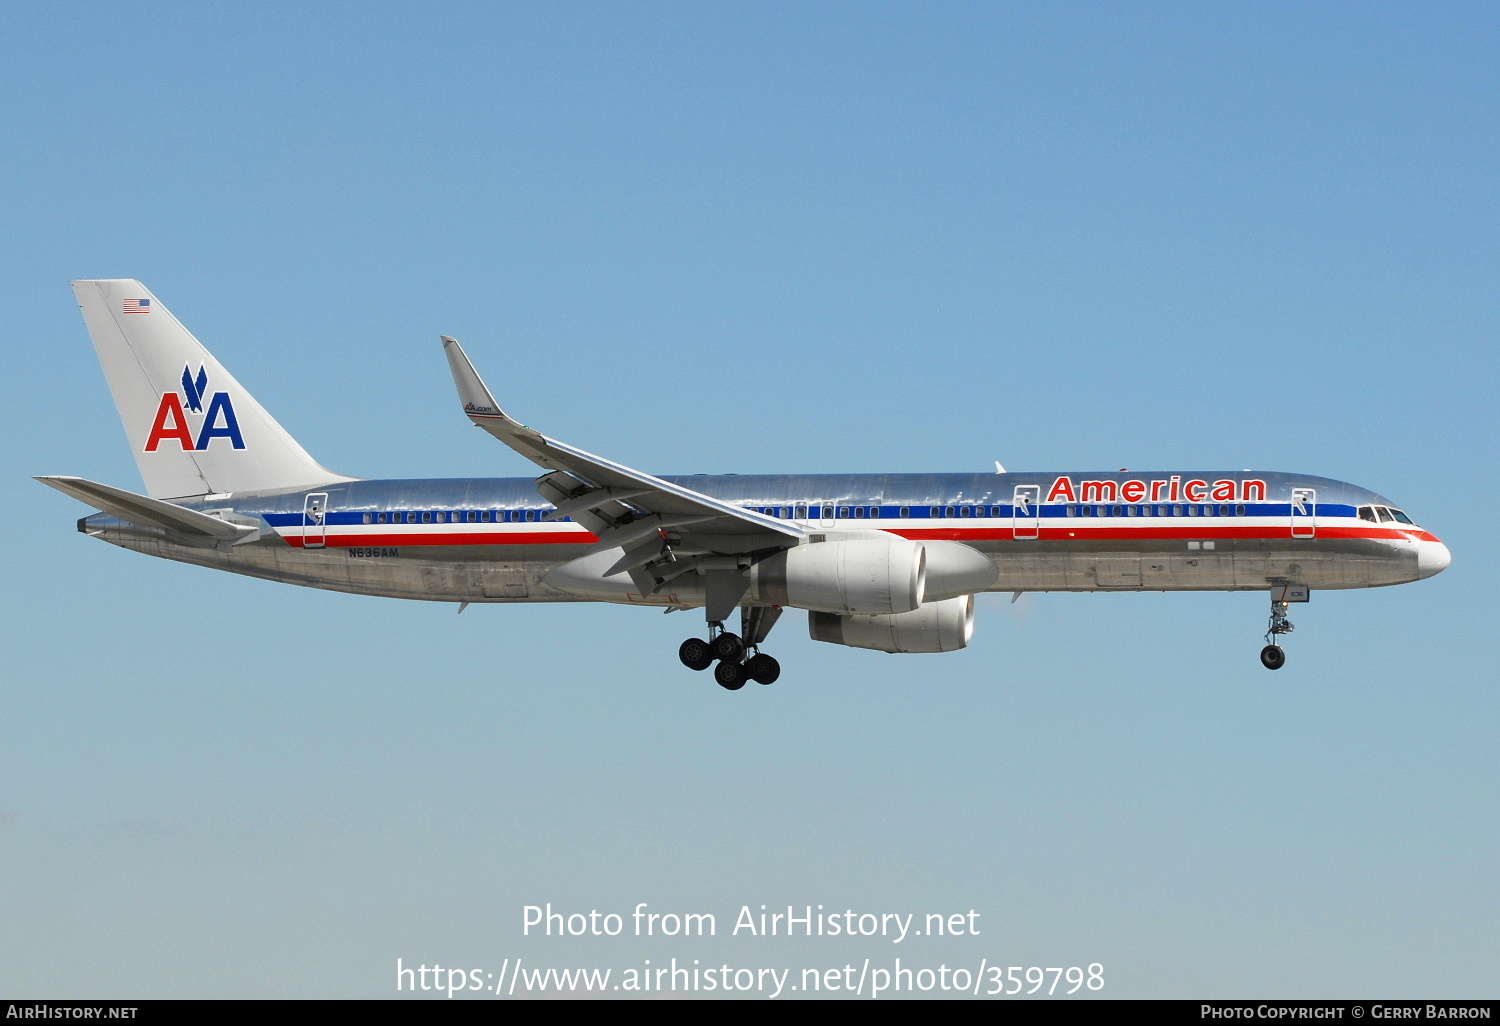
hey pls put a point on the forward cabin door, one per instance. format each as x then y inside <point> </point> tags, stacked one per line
<point>1304,512</point>
<point>1026,513</point>
<point>315,520</point>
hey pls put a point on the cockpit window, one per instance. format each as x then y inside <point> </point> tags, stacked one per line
<point>1367,513</point>
<point>1401,516</point>
<point>1385,514</point>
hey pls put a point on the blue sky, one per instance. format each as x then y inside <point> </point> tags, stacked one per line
<point>758,238</point>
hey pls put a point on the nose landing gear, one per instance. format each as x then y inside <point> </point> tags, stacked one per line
<point>1273,656</point>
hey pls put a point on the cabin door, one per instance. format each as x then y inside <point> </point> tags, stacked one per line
<point>1026,513</point>
<point>1304,512</point>
<point>315,520</point>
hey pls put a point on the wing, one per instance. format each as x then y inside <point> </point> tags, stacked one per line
<point>663,527</point>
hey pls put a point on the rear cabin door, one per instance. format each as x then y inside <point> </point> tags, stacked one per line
<point>315,520</point>
<point>1026,513</point>
<point>1304,512</point>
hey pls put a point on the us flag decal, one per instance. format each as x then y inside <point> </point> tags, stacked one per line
<point>137,306</point>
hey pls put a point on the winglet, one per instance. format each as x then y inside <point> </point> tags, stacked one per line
<point>481,408</point>
<point>478,403</point>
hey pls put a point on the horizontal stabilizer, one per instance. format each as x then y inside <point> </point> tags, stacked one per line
<point>141,509</point>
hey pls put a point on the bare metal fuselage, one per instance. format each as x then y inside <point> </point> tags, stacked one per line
<point>486,541</point>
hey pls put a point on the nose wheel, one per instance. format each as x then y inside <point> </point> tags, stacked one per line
<point>1273,656</point>
<point>730,651</point>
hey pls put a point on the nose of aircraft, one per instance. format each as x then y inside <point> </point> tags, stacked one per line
<point>1433,558</point>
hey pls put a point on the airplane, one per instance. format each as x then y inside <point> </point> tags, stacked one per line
<point>889,562</point>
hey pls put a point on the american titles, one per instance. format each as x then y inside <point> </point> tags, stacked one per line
<point>1170,489</point>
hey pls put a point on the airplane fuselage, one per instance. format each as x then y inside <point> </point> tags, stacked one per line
<point>486,539</point>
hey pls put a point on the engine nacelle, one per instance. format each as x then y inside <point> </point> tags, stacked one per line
<point>858,575</point>
<point>943,626</point>
<point>955,569</point>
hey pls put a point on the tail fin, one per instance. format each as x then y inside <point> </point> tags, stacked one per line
<point>193,427</point>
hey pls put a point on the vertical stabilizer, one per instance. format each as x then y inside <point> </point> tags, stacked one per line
<point>193,428</point>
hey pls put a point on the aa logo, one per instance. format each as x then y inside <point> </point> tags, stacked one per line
<point>171,422</point>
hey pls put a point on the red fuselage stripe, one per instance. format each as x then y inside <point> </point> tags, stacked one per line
<point>1201,530</point>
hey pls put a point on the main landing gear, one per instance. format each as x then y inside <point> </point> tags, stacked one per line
<point>1273,656</point>
<point>730,650</point>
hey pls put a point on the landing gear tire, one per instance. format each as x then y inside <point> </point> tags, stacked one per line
<point>1273,657</point>
<point>730,675</point>
<point>728,648</point>
<point>762,669</point>
<point>695,654</point>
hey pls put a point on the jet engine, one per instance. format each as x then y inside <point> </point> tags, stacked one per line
<point>870,575</point>
<point>934,627</point>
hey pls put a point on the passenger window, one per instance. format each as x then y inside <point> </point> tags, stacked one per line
<point>1119,511</point>
<point>1402,517</point>
<point>368,518</point>
<point>1208,511</point>
<point>875,512</point>
<point>981,511</point>
<point>1192,511</point>
<point>1133,511</point>
<point>473,517</point>
<point>1087,511</point>
<point>859,512</point>
<point>427,517</point>
<point>1385,514</point>
<point>1223,511</point>
<point>1177,511</point>
<point>965,511</point>
<point>843,512</point>
<point>949,512</point>
<point>935,512</point>
<point>801,512</point>
<point>1239,511</point>
<point>827,512</point>
<point>380,518</point>
<point>1072,511</point>
<point>905,512</point>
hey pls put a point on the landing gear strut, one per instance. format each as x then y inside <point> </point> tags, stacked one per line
<point>1273,656</point>
<point>730,650</point>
